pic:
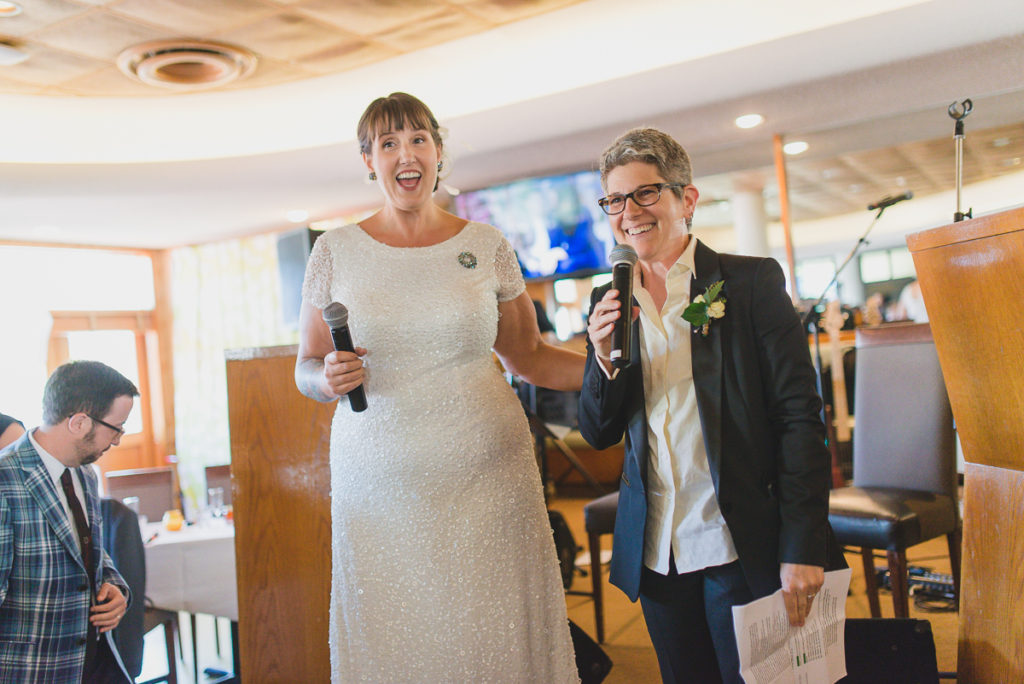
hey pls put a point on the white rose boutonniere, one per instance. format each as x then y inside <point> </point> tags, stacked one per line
<point>706,307</point>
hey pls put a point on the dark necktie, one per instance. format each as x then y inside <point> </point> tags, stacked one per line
<point>85,541</point>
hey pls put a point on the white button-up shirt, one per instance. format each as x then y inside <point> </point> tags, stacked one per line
<point>55,468</point>
<point>682,510</point>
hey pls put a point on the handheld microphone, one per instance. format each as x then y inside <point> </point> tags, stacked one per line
<point>623,258</point>
<point>336,317</point>
<point>889,201</point>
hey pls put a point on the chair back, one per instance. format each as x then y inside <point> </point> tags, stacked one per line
<point>903,436</point>
<point>153,486</point>
<point>220,476</point>
<point>122,541</point>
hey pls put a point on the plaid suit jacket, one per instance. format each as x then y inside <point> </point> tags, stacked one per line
<point>44,593</point>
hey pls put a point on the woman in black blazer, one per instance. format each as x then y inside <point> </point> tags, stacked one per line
<point>724,492</point>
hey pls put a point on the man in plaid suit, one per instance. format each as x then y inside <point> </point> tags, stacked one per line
<point>60,596</point>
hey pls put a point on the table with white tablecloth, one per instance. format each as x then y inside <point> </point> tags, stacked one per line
<point>193,570</point>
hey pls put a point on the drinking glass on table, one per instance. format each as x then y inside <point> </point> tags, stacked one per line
<point>215,501</point>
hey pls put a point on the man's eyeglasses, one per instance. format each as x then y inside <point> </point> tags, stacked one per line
<point>644,196</point>
<point>118,430</point>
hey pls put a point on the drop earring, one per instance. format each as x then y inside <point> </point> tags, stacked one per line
<point>439,167</point>
<point>373,176</point>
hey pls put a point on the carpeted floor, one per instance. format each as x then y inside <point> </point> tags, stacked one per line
<point>627,642</point>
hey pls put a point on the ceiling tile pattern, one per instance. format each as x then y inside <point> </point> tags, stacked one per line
<point>850,182</point>
<point>73,44</point>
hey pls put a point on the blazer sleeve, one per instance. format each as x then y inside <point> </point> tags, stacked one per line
<point>602,420</point>
<point>794,410</point>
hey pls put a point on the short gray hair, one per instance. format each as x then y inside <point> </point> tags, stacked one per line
<point>651,146</point>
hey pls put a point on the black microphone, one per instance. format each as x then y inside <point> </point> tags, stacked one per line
<point>889,201</point>
<point>336,317</point>
<point>623,258</point>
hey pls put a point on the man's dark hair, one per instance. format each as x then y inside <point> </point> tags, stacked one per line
<point>88,387</point>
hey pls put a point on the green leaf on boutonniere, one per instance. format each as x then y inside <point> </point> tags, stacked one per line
<point>706,307</point>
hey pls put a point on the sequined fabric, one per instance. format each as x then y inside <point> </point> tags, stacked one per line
<point>444,568</point>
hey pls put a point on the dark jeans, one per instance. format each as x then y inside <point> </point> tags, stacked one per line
<point>689,618</point>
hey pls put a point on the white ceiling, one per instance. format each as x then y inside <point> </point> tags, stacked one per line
<point>540,95</point>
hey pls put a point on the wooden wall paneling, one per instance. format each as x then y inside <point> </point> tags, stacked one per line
<point>972,280</point>
<point>163,355</point>
<point>280,442</point>
<point>991,642</point>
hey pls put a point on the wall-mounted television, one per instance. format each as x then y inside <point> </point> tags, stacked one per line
<point>554,223</point>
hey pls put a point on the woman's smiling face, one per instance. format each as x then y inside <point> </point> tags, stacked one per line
<point>657,232</point>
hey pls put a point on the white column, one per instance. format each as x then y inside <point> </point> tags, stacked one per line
<point>750,221</point>
<point>851,288</point>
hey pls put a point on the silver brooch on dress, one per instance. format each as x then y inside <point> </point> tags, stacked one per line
<point>467,259</point>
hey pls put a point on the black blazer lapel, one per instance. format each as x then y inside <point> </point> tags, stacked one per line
<point>706,358</point>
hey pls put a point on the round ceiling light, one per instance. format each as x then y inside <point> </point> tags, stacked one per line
<point>9,9</point>
<point>749,121</point>
<point>186,64</point>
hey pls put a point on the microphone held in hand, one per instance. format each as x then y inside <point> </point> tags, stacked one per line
<point>336,317</point>
<point>623,259</point>
<point>889,201</point>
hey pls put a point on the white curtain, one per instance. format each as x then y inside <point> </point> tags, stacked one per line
<point>225,296</point>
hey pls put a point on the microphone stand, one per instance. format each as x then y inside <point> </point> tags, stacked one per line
<point>812,319</point>
<point>958,111</point>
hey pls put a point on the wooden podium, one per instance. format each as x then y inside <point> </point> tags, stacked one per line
<point>972,279</point>
<point>281,485</point>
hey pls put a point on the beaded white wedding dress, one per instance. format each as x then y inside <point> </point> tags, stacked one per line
<point>444,567</point>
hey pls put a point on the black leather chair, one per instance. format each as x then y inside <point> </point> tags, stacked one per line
<point>122,540</point>
<point>905,488</point>
<point>598,520</point>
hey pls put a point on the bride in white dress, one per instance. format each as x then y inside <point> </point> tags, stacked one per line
<point>444,567</point>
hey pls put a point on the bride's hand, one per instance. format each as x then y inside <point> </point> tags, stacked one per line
<point>344,371</point>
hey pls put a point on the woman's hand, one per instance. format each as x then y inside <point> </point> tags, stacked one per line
<point>344,371</point>
<point>601,323</point>
<point>800,584</point>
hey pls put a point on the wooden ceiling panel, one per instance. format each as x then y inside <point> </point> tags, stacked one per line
<point>286,36</point>
<point>345,55</point>
<point>447,25</point>
<point>367,17</point>
<point>44,13</point>
<point>195,18</point>
<point>97,35</point>
<point>49,66</point>
<point>502,11</point>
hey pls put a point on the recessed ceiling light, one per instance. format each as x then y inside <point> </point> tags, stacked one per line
<point>10,56</point>
<point>749,120</point>
<point>795,147</point>
<point>9,9</point>
<point>297,215</point>
<point>186,64</point>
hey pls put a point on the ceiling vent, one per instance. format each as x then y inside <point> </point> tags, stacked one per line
<point>186,64</point>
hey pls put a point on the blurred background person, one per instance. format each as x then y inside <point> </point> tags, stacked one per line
<point>10,430</point>
<point>444,566</point>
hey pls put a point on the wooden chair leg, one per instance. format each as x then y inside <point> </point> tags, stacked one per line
<point>594,542</point>
<point>954,540</point>
<point>195,650</point>
<point>870,581</point>
<point>170,627</point>
<point>900,583</point>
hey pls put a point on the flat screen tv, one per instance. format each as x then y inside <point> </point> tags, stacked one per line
<point>553,223</point>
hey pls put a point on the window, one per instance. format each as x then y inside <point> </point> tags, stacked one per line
<point>883,265</point>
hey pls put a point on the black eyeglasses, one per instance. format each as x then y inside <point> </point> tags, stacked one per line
<point>644,196</point>
<point>118,430</point>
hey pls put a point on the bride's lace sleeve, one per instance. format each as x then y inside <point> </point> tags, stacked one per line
<point>316,286</point>
<point>506,268</point>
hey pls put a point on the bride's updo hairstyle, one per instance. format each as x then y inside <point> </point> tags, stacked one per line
<point>394,113</point>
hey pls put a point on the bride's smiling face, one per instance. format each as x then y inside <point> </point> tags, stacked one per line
<point>405,161</point>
